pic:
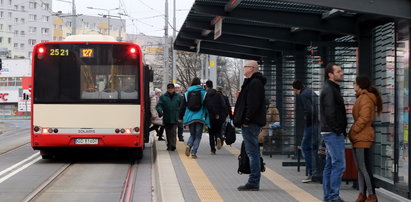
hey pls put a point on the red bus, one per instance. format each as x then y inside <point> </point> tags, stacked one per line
<point>88,93</point>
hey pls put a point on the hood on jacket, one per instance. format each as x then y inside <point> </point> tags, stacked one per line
<point>194,88</point>
<point>259,75</point>
<point>366,93</point>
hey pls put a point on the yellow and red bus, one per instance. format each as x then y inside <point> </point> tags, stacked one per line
<point>88,92</point>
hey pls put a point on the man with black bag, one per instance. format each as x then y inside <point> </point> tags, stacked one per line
<point>250,115</point>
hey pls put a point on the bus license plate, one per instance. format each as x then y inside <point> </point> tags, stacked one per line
<point>85,141</point>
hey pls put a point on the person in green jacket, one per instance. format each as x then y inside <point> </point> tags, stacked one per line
<point>168,106</point>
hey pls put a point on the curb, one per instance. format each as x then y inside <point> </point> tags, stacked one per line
<point>390,195</point>
<point>166,185</point>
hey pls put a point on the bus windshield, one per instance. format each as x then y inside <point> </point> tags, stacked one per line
<point>86,73</point>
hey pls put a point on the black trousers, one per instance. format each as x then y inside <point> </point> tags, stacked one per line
<point>214,132</point>
<point>171,134</point>
<point>159,130</point>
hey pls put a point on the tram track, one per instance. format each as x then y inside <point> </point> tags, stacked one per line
<point>126,194</point>
<point>43,186</point>
<point>129,183</point>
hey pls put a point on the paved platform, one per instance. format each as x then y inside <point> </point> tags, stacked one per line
<point>215,177</point>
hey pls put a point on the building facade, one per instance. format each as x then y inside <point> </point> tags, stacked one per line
<point>22,25</point>
<point>85,24</point>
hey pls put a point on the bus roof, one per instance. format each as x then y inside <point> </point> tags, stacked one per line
<point>101,38</point>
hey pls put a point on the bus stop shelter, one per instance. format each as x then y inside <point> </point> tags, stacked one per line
<point>295,39</point>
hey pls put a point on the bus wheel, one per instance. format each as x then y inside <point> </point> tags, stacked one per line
<point>46,154</point>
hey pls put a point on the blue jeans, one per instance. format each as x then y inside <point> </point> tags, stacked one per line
<point>196,131</point>
<point>309,147</point>
<point>334,165</point>
<point>250,137</point>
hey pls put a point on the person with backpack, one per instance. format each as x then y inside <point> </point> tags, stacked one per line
<point>168,106</point>
<point>194,114</point>
<point>250,115</point>
<point>218,111</point>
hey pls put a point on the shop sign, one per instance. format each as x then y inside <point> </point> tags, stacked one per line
<point>9,96</point>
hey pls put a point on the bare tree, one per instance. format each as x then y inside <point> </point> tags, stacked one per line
<point>188,66</point>
<point>229,75</point>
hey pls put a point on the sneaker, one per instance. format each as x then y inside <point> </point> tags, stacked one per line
<point>193,156</point>
<point>248,187</point>
<point>181,140</point>
<point>219,143</point>
<point>161,139</point>
<point>212,153</point>
<point>307,180</point>
<point>188,149</point>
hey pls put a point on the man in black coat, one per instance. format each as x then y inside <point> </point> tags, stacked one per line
<point>250,115</point>
<point>216,107</point>
<point>309,143</point>
<point>333,131</point>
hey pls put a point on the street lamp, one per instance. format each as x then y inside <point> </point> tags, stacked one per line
<point>108,15</point>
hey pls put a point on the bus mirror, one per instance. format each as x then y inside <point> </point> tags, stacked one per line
<point>151,77</point>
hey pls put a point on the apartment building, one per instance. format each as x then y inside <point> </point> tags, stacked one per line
<point>23,23</point>
<point>85,24</point>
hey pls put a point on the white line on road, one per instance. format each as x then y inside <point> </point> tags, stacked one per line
<point>19,164</point>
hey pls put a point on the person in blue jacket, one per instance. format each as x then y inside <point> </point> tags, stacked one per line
<point>194,119</point>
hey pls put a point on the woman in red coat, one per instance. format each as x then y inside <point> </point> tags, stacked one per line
<point>362,134</point>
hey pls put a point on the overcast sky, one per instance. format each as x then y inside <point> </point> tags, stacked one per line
<point>148,14</point>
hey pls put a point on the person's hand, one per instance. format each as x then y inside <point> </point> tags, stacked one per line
<point>217,116</point>
<point>179,120</point>
<point>245,125</point>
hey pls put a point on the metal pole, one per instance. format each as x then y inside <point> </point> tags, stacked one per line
<point>74,19</point>
<point>166,69</point>
<point>108,19</point>
<point>174,38</point>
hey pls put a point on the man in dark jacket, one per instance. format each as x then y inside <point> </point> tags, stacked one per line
<point>168,106</point>
<point>250,115</point>
<point>333,130</point>
<point>216,107</point>
<point>309,143</point>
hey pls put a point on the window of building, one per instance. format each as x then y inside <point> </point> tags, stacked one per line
<point>46,18</point>
<point>22,45</point>
<point>22,8</point>
<point>10,2</point>
<point>16,32</point>
<point>16,45</point>
<point>22,20</point>
<point>1,2</point>
<point>45,31</point>
<point>44,41</point>
<point>54,38</point>
<point>9,28</point>
<point>1,14</point>
<point>16,7</point>
<point>68,23</point>
<point>60,26</point>
<point>33,5</point>
<point>9,15</point>
<point>32,29</point>
<point>45,6</point>
<point>9,40</point>
<point>16,20</point>
<point>1,39</point>
<point>1,27</point>
<point>32,42</point>
<point>60,38</point>
<point>22,33</point>
<point>32,17</point>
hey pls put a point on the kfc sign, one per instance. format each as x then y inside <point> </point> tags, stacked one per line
<point>9,96</point>
<point>4,96</point>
